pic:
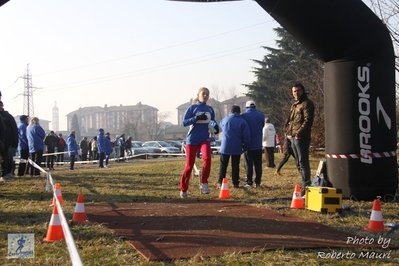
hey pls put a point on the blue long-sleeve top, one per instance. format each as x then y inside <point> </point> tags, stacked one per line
<point>236,135</point>
<point>256,121</point>
<point>199,130</point>
<point>35,134</point>
<point>101,142</point>
<point>72,145</point>
<point>22,137</point>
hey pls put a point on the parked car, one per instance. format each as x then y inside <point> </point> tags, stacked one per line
<point>215,147</point>
<point>137,149</point>
<point>175,143</point>
<point>165,147</point>
<point>154,151</point>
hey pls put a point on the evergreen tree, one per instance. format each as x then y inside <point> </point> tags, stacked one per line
<point>75,127</point>
<point>280,68</point>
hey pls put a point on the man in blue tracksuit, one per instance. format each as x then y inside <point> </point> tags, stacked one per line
<point>236,139</point>
<point>253,156</point>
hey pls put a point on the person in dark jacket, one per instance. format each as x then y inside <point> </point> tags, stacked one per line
<point>35,134</point>
<point>51,142</point>
<point>84,148</point>
<point>10,142</point>
<point>299,131</point>
<point>236,139</point>
<point>23,147</point>
<point>108,149</point>
<point>61,148</point>
<point>287,151</point>
<point>128,147</point>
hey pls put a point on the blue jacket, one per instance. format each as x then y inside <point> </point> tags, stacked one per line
<point>35,134</point>
<point>72,145</point>
<point>256,121</point>
<point>199,130</point>
<point>236,135</point>
<point>101,141</point>
<point>22,137</point>
<point>108,148</point>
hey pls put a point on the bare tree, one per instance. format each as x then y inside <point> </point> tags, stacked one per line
<point>156,130</point>
<point>388,12</point>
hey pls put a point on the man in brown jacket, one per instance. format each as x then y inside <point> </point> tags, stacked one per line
<point>299,131</point>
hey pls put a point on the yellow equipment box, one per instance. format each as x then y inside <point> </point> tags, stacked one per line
<point>323,199</point>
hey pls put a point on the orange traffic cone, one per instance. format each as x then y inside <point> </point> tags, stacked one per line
<point>59,195</point>
<point>224,190</point>
<point>79,214</point>
<point>54,232</point>
<point>376,224</point>
<point>297,202</point>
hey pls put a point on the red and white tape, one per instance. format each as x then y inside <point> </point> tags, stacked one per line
<point>358,156</point>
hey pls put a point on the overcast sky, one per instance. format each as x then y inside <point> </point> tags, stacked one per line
<point>158,52</point>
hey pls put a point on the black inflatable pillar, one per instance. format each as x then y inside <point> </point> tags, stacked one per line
<point>359,89</point>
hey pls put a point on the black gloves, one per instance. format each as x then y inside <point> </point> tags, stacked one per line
<point>201,117</point>
<point>216,127</point>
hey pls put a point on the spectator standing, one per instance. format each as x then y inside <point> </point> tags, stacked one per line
<point>269,143</point>
<point>102,147</point>
<point>10,141</point>
<point>253,156</point>
<point>35,134</point>
<point>287,151</point>
<point>128,147</point>
<point>90,151</point>
<point>72,149</point>
<point>198,116</point>
<point>94,148</point>
<point>23,147</point>
<point>278,144</point>
<point>122,147</point>
<point>117,148</point>
<point>299,131</point>
<point>60,148</point>
<point>108,149</point>
<point>51,143</point>
<point>84,148</point>
<point>236,139</point>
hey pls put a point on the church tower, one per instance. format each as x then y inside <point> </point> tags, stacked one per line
<point>56,118</point>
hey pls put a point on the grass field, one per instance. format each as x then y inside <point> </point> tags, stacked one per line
<point>25,209</point>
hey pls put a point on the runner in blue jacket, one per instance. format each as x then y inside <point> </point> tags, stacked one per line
<point>199,116</point>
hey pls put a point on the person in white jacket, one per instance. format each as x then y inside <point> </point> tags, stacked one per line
<point>269,138</point>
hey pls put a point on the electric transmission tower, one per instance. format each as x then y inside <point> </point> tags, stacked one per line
<point>28,93</point>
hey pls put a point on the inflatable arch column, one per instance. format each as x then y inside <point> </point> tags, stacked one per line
<point>359,89</point>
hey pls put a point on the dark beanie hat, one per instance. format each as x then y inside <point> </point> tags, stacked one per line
<point>23,117</point>
<point>236,109</point>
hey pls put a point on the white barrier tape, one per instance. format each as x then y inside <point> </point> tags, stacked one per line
<point>73,251</point>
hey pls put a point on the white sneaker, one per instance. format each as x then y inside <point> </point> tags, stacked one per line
<point>2,179</point>
<point>247,186</point>
<point>107,166</point>
<point>183,194</point>
<point>205,188</point>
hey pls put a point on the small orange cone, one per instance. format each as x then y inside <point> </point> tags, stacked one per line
<point>376,224</point>
<point>59,195</point>
<point>297,202</point>
<point>224,190</point>
<point>79,214</point>
<point>54,232</point>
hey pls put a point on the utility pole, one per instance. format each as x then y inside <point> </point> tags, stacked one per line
<point>28,93</point>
